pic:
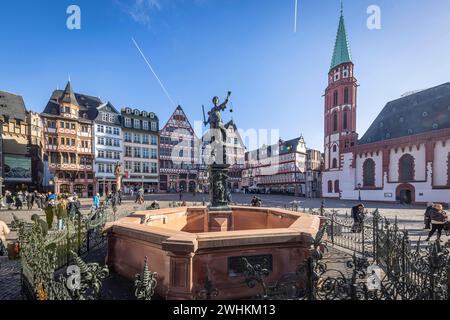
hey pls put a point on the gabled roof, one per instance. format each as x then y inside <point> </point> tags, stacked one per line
<point>12,106</point>
<point>172,117</point>
<point>283,147</point>
<point>238,135</point>
<point>87,105</point>
<point>341,52</point>
<point>424,111</point>
<point>108,105</point>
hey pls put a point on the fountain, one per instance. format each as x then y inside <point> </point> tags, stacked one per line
<point>192,248</point>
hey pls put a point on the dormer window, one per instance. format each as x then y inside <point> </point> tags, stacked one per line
<point>128,111</point>
<point>136,112</point>
<point>144,114</point>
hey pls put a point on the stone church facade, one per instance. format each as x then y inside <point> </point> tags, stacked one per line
<point>405,154</point>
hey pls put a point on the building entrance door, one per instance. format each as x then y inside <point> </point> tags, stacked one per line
<point>405,196</point>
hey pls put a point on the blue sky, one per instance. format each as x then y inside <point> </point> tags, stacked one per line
<point>202,48</point>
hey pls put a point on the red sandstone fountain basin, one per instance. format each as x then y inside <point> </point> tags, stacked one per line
<point>187,245</point>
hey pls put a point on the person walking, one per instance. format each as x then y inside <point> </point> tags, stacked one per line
<point>61,212</point>
<point>439,219</point>
<point>38,200</point>
<point>119,195</point>
<point>18,201</point>
<point>50,212</point>
<point>29,199</point>
<point>427,218</point>
<point>74,207</point>
<point>9,200</point>
<point>358,217</point>
<point>96,201</point>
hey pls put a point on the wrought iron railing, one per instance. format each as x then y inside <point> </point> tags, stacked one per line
<point>405,272</point>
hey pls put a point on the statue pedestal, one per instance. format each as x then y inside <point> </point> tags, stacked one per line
<point>218,176</point>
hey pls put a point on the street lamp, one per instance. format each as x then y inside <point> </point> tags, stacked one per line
<point>143,182</point>
<point>359,191</point>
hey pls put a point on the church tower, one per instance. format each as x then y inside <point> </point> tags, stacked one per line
<point>340,102</point>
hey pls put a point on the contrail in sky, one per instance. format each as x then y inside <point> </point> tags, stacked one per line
<point>296,15</point>
<point>154,73</point>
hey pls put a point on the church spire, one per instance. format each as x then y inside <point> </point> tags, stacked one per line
<point>341,52</point>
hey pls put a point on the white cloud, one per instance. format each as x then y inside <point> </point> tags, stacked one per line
<point>140,10</point>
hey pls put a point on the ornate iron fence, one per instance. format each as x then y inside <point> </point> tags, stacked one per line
<point>384,266</point>
<point>45,253</point>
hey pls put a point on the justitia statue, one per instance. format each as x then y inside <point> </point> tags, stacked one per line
<point>118,175</point>
<point>218,172</point>
<point>217,127</point>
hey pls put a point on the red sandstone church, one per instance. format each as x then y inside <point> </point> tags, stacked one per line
<point>405,154</point>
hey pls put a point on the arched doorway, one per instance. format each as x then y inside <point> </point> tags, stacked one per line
<point>183,186</point>
<point>406,194</point>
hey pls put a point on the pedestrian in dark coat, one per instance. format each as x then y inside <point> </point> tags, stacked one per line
<point>9,200</point>
<point>29,199</point>
<point>358,217</point>
<point>38,200</point>
<point>18,202</point>
<point>439,218</point>
<point>50,212</point>
<point>74,207</point>
<point>427,218</point>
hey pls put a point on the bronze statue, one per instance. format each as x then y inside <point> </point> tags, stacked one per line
<point>216,124</point>
<point>218,172</point>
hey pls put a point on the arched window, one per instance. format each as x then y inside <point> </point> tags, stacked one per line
<point>406,168</point>
<point>345,124</point>
<point>335,121</point>
<point>335,98</point>
<point>335,163</point>
<point>369,173</point>
<point>334,148</point>
<point>330,186</point>
<point>336,187</point>
<point>346,97</point>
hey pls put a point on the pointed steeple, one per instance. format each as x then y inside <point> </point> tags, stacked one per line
<point>68,95</point>
<point>341,52</point>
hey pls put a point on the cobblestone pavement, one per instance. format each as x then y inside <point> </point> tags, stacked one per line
<point>10,280</point>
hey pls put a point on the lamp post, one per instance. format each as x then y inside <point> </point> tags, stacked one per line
<point>143,177</point>
<point>359,191</point>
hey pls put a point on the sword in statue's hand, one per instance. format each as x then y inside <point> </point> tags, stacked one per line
<point>204,116</point>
